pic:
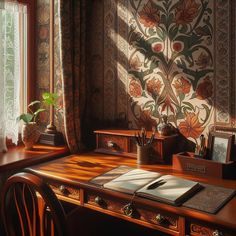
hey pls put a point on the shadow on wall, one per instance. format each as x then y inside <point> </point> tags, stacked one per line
<point>159,83</point>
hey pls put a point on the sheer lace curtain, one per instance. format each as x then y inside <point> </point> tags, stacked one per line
<point>10,69</point>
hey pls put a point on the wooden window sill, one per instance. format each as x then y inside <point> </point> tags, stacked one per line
<point>17,157</point>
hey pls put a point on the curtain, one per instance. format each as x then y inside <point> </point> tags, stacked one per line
<point>10,70</point>
<point>72,53</point>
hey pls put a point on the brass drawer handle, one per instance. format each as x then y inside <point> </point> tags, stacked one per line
<point>111,144</point>
<point>63,189</point>
<point>160,218</point>
<point>129,210</point>
<point>100,202</point>
<point>217,233</point>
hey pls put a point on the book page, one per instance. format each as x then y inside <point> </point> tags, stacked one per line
<point>132,181</point>
<point>168,188</point>
<point>110,175</point>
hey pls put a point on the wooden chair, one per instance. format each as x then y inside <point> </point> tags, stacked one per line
<point>30,208</point>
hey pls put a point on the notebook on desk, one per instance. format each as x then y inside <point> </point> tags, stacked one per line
<point>131,181</point>
<point>153,185</point>
<point>200,200</point>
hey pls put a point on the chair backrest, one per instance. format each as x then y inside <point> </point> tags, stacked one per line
<point>29,207</point>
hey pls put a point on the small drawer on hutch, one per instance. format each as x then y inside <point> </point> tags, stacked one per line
<point>197,229</point>
<point>122,142</point>
<point>65,191</point>
<point>112,143</point>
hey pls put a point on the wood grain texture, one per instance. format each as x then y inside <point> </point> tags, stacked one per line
<point>124,144</point>
<point>18,157</point>
<point>76,171</point>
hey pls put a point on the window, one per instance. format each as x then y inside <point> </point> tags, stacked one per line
<point>16,62</point>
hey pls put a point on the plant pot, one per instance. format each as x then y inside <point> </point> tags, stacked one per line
<point>30,134</point>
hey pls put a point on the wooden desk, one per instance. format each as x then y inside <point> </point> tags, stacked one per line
<point>17,157</point>
<point>69,178</point>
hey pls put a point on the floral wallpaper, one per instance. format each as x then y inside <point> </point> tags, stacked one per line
<point>171,63</point>
<point>162,57</point>
<point>153,57</point>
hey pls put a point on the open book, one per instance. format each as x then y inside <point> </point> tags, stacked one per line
<point>153,185</point>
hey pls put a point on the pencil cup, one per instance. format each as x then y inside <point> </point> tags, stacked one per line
<point>143,154</point>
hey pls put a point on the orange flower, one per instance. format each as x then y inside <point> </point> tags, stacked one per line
<point>182,86</point>
<point>154,86</point>
<point>149,15</point>
<point>135,89</point>
<point>191,127</point>
<point>204,89</point>
<point>186,11</point>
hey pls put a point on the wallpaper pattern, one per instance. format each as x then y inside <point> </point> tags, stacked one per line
<point>153,57</point>
<point>43,63</point>
<point>171,63</point>
<point>165,57</point>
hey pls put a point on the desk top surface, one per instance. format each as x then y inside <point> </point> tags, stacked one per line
<point>18,157</point>
<point>77,170</point>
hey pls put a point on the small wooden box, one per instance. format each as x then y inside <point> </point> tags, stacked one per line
<point>122,142</point>
<point>186,162</point>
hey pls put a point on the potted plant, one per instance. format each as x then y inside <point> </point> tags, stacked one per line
<point>30,133</point>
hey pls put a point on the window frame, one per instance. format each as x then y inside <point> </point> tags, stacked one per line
<point>31,48</point>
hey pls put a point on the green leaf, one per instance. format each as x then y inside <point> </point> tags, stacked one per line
<point>149,104</point>
<point>154,63</point>
<point>163,19</point>
<point>151,31</point>
<point>160,34</point>
<point>153,40</point>
<point>189,41</point>
<point>189,105</point>
<point>207,112</point>
<point>50,98</point>
<point>183,29</point>
<point>25,117</point>
<point>181,96</point>
<point>194,95</point>
<point>173,32</point>
<point>170,19</point>
<point>203,30</point>
<point>179,115</point>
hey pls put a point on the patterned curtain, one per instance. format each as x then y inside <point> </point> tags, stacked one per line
<point>72,52</point>
<point>11,16</point>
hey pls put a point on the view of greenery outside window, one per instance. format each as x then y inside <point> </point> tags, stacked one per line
<point>13,76</point>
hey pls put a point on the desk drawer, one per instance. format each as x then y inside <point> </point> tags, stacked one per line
<point>105,202</point>
<point>123,143</point>
<point>66,191</point>
<point>154,218</point>
<point>160,218</point>
<point>112,143</point>
<point>198,229</point>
